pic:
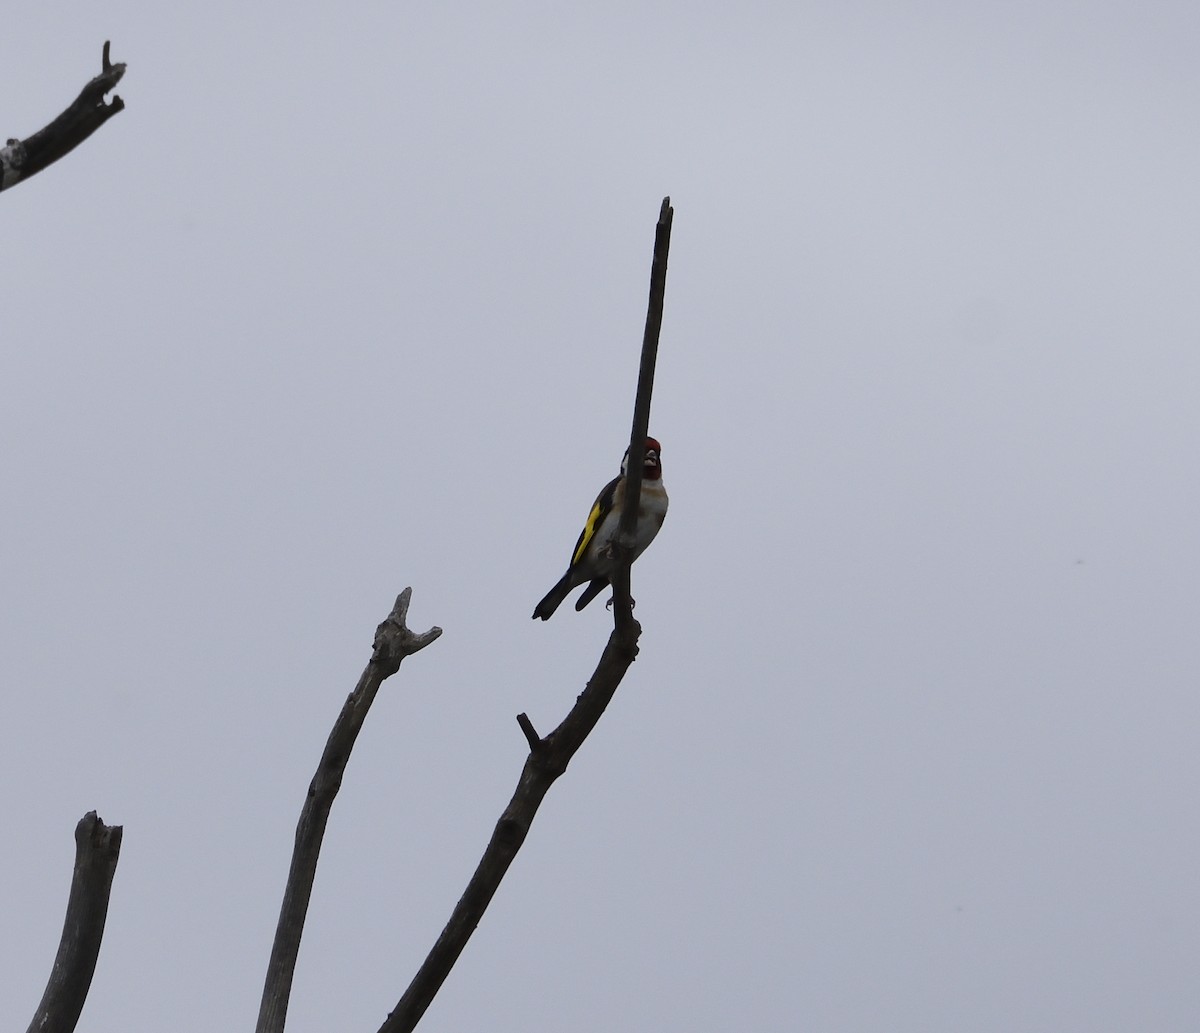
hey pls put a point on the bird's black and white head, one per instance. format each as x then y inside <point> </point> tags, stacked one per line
<point>651,463</point>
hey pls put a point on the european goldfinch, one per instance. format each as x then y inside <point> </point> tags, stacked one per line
<point>592,560</point>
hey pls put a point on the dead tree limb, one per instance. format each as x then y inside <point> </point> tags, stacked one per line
<point>622,602</point>
<point>393,642</point>
<point>97,849</point>
<point>20,159</point>
<point>548,757</point>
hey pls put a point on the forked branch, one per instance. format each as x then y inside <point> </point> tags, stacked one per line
<point>393,642</point>
<point>20,159</point>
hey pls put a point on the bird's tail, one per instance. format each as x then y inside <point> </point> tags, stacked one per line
<point>553,599</point>
<point>598,585</point>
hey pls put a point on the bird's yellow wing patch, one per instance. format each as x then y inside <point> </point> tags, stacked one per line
<point>600,509</point>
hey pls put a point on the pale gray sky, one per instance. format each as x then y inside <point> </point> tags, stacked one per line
<point>350,298</point>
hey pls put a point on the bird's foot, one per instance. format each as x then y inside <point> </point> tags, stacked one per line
<point>609,605</point>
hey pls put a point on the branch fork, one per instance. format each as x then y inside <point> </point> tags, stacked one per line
<point>20,159</point>
<point>393,639</point>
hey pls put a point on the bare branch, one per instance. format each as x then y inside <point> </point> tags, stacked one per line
<point>20,159</point>
<point>393,642</point>
<point>622,602</point>
<point>97,850</point>
<point>542,767</point>
<point>531,736</point>
<point>548,758</point>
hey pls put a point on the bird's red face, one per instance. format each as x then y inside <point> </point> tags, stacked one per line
<point>652,464</point>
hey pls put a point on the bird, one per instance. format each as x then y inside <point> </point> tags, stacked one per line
<point>593,559</point>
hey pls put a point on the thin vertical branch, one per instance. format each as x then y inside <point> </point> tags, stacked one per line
<point>97,850</point>
<point>622,602</point>
<point>393,642</point>
<point>548,757</point>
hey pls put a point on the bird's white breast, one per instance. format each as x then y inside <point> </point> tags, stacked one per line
<point>652,509</point>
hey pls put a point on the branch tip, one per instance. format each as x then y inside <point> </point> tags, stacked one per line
<point>87,113</point>
<point>531,736</point>
<point>97,850</point>
<point>394,640</point>
<point>110,74</point>
<point>91,830</point>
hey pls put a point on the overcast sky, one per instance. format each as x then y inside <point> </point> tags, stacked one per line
<point>350,298</point>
